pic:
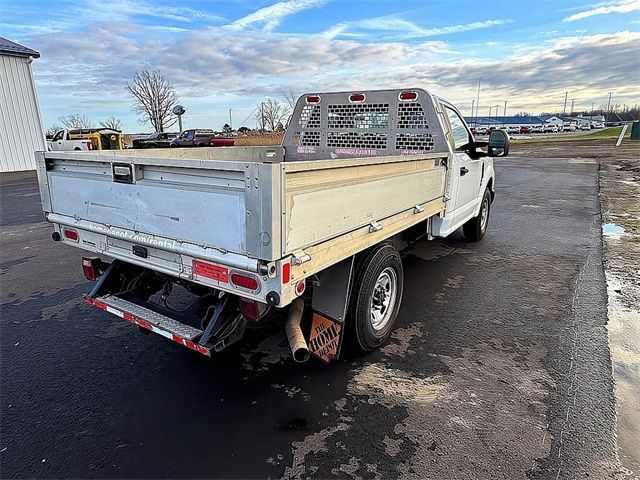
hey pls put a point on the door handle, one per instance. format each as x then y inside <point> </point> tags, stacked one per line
<point>463,171</point>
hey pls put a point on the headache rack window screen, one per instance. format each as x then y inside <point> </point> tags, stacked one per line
<point>357,140</point>
<point>307,139</point>
<point>414,141</point>
<point>411,115</point>
<point>365,116</point>
<point>309,117</point>
<point>333,125</point>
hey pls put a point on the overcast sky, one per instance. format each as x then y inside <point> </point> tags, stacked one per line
<point>235,53</point>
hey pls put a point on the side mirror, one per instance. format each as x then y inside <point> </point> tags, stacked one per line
<point>498,145</point>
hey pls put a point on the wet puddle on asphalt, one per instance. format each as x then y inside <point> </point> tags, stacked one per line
<point>611,230</point>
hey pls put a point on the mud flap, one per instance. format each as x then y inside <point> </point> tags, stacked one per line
<point>330,302</point>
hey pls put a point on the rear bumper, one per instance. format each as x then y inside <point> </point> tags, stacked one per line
<point>151,321</point>
<point>205,266</point>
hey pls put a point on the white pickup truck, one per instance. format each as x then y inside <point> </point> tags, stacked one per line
<point>61,142</point>
<point>206,241</point>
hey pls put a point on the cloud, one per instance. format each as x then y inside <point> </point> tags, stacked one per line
<point>214,70</point>
<point>271,16</point>
<point>621,6</point>
<point>400,29</point>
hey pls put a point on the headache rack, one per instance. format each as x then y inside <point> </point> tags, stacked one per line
<point>372,123</point>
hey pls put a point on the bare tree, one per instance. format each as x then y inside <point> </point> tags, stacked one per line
<point>271,113</point>
<point>291,97</point>
<point>113,123</point>
<point>75,120</point>
<point>51,131</point>
<point>154,98</point>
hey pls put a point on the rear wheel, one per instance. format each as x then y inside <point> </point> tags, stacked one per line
<point>375,298</point>
<point>475,228</point>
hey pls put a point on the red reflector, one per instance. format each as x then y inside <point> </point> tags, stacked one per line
<point>357,97</point>
<point>408,96</point>
<point>313,99</point>
<point>89,270</point>
<point>244,281</point>
<point>249,309</point>
<point>99,304</point>
<point>71,234</point>
<point>300,287</point>
<point>286,272</point>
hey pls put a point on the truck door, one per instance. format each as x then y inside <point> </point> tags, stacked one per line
<point>468,170</point>
<point>57,140</point>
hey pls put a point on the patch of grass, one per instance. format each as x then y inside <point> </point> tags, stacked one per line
<point>604,133</point>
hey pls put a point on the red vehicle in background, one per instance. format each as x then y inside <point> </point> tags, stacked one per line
<point>201,137</point>
<point>525,129</point>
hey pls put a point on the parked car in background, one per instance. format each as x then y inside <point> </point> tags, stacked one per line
<point>551,129</point>
<point>482,131</point>
<point>201,137</point>
<point>513,129</point>
<point>585,126</point>
<point>86,139</point>
<point>524,129</point>
<point>155,140</point>
<point>598,125</point>
<point>537,129</point>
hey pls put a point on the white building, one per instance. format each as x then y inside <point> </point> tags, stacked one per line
<point>21,132</point>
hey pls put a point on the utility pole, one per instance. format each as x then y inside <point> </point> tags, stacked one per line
<point>591,116</point>
<point>573,100</point>
<point>564,109</point>
<point>505,112</point>
<point>472,105</point>
<point>230,118</point>
<point>478,100</point>
<point>262,115</point>
<point>608,106</point>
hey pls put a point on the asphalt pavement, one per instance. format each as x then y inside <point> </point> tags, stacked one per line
<point>499,366</point>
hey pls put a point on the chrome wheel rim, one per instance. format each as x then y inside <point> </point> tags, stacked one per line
<point>484,214</point>
<point>384,298</point>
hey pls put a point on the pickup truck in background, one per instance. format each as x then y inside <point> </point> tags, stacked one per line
<point>86,139</point>
<point>155,140</point>
<point>61,142</point>
<point>201,137</point>
<point>204,242</point>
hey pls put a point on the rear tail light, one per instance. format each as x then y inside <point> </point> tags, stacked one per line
<point>89,146</point>
<point>357,98</point>
<point>70,234</point>
<point>92,268</point>
<point>408,96</point>
<point>313,99</point>
<point>245,281</point>
<point>286,272</point>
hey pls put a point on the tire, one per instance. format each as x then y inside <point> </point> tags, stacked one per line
<point>379,279</point>
<point>475,228</point>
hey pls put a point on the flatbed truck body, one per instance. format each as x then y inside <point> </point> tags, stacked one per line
<point>269,225</point>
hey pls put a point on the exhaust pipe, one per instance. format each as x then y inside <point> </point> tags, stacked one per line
<point>297,343</point>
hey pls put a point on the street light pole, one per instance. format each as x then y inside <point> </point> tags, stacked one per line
<point>473,102</point>
<point>564,109</point>
<point>608,106</point>
<point>230,118</point>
